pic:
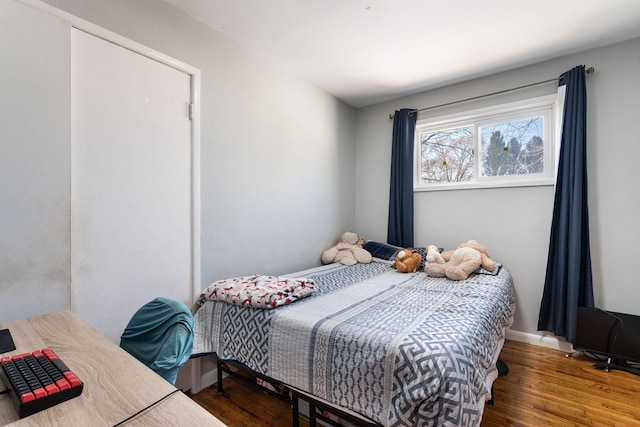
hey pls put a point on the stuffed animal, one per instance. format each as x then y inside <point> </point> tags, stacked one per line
<point>407,260</point>
<point>433,255</point>
<point>348,251</point>
<point>458,264</point>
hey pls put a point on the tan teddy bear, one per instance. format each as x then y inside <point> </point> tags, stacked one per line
<point>458,264</point>
<point>348,251</point>
<point>407,260</point>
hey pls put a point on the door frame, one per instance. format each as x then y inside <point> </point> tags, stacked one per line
<point>194,366</point>
<point>194,73</point>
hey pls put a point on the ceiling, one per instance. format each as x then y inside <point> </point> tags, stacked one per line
<point>369,51</point>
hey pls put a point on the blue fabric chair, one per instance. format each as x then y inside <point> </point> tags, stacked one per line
<point>160,335</point>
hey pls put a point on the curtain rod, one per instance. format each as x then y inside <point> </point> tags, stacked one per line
<point>589,70</point>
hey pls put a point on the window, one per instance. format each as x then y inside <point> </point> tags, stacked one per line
<point>501,146</point>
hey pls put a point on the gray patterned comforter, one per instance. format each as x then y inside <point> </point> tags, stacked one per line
<point>400,349</point>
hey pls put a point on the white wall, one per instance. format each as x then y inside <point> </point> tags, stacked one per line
<point>277,152</point>
<point>35,162</point>
<point>282,179</point>
<point>514,223</point>
<point>277,176</point>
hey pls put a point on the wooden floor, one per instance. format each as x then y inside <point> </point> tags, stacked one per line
<point>543,388</point>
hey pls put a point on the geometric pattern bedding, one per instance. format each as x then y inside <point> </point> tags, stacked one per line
<point>400,349</point>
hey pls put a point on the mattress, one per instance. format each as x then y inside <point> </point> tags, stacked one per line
<point>399,349</point>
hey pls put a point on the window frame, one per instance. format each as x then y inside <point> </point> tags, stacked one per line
<point>547,106</point>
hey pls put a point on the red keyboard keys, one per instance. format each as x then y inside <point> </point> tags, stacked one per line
<point>38,380</point>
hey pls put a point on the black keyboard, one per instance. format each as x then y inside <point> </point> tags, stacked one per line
<point>38,381</point>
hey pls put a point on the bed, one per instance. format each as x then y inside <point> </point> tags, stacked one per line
<point>399,349</point>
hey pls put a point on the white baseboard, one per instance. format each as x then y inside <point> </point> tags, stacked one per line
<point>547,341</point>
<point>209,378</point>
<point>199,380</point>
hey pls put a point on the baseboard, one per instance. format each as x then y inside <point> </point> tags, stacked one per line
<point>199,378</point>
<point>209,378</point>
<point>547,341</point>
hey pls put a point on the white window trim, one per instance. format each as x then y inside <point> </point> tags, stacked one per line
<point>550,106</point>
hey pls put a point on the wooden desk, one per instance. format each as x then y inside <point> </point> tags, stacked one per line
<point>116,385</point>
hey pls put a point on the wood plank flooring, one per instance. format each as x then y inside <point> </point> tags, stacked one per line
<point>543,388</point>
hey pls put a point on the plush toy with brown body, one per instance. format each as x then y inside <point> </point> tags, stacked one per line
<point>407,260</point>
<point>458,264</point>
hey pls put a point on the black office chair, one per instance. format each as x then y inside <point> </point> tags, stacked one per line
<point>160,335</point>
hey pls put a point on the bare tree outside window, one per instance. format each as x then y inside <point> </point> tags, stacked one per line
<point>506,145</point>
<point>447,155</point>
<point>513,148</point>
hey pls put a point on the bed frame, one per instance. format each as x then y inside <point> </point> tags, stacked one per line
<point>317,407</point>
<point>426,356</point>
<point>291,396</point>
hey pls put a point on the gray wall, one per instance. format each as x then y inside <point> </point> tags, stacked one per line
<point>277,156</point>
<point>282,177</point>
<point>492,216</point>
<point>35,160</point>
<point>277,152</point>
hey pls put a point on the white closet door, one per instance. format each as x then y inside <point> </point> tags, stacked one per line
<point>130,183</point>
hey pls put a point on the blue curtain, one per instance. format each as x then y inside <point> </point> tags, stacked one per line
<point>568,283</point>
<point>400,225</point>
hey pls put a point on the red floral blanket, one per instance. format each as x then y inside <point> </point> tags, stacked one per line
<point>259,291</point>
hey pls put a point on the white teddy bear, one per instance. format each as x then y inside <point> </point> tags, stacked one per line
<point>433,255</point>
<point>348,251</point>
